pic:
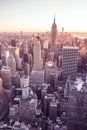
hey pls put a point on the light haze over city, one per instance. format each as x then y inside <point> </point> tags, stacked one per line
<point>37,15</point>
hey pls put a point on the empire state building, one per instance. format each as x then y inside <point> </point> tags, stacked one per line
<point>53,33</point>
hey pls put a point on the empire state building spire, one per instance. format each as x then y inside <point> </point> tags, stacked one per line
<point>54,19</point>
<point>54,33</point>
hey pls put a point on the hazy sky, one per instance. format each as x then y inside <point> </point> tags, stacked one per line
<point>37,15</point>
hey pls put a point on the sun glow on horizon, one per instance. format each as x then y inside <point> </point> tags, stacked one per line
<point>37,15</point>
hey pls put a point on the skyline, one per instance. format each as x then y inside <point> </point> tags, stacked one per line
<point>38,15</point>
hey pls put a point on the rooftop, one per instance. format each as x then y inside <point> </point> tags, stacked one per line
<point>70,47</point>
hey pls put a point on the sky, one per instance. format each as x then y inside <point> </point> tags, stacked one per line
<point>38,15</point>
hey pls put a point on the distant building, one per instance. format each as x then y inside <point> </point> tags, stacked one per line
<point>25,47</point>
<point>13,43</point>
<point>69,61</point>
<point>54,33</point>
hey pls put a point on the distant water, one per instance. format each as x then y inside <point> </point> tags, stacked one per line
<point>80,36</point>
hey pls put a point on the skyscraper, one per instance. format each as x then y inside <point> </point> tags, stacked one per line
<point>53,33</point>
<point>38,63</point>
<point>12,64</point>
<point>25,45</point>
<point>37,73</point>
<point>69,61</point>
<point>6,76</point>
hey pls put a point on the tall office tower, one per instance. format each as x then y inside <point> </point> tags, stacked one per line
<point>38,63</point>
<point>45,44</point>
<point>69,61</point>
<point>53,33</point>
<point>62,30</point>
<point>6,57</point>
<point>6,76</point>
<point>12,64</point>
<point>37,73</point>
<point>1,88</point>
<point>25,47</point>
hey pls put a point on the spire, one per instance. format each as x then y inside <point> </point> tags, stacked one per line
<point>54,18</point>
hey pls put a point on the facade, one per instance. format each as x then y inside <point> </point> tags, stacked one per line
<point>38,63</point>
<point>37,73</point>
<point>77,104</point>
<point>50,69</point>
<point>13,111</point>
<point>6,76</point>
<point>69,61</point>
<point>25,47</point>
<point>25,92</point>
<point>12,64</point>
<point>6,57</point>
<point>27,109</point>
<point>24,111</point>
<point>53,111</point>
<point>24,81</point>
<point>37,77</point>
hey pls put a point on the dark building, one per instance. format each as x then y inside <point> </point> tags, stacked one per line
<point>77,105</point>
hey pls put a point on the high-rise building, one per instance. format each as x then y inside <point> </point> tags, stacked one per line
<point>69,61</point>
<point>13,43</point>
<point>6,76</point>
<point>37,73</point>
<point>12,64</point>
<point>25,47</point>
<point>53,33</point>
<point>6,57</point>
<point>38,63</point>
